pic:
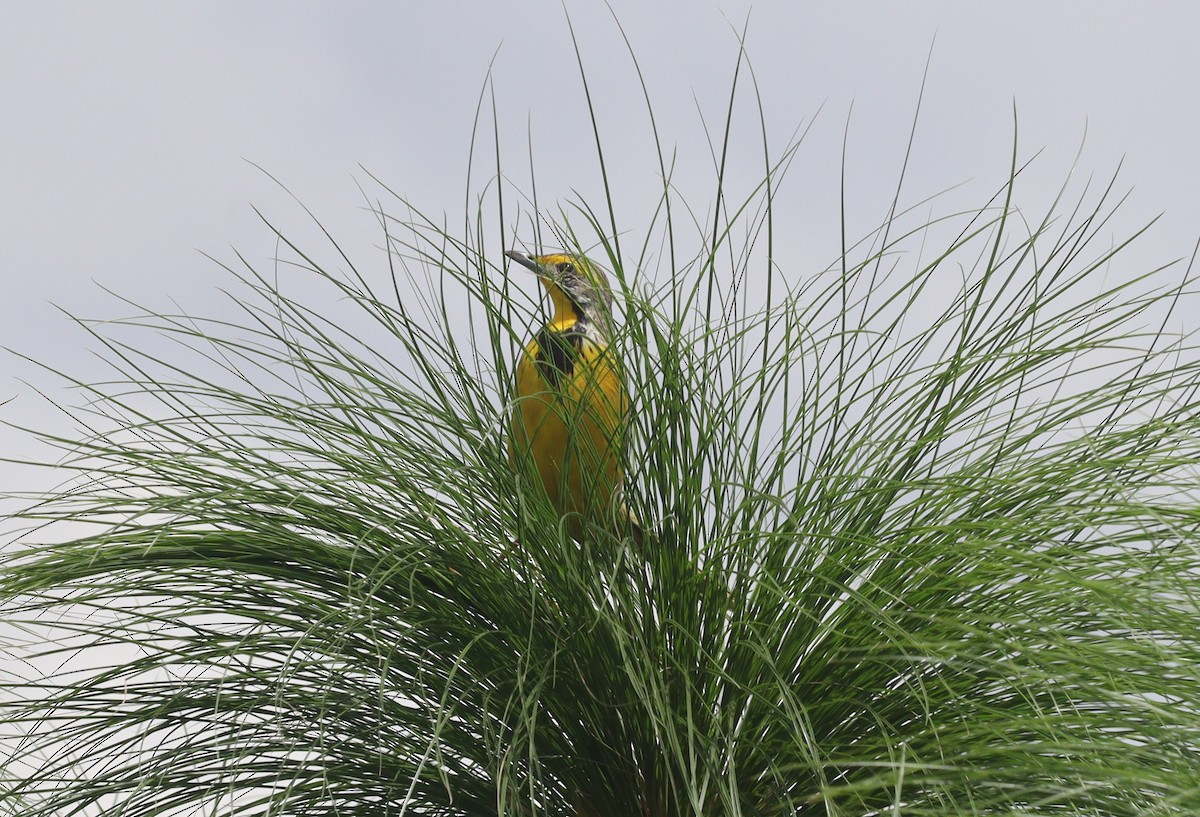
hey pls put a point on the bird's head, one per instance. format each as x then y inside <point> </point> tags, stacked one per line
<point>574,282</point>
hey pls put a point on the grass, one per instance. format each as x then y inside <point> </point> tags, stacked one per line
<point>921,535</point>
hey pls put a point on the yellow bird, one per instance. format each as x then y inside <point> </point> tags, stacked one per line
<point>570,407</point>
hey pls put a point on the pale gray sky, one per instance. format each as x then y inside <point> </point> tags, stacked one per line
<point>126,127</point>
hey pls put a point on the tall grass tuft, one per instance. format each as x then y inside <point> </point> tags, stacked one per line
<point>921,536</point>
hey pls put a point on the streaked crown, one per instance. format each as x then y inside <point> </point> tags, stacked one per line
<point>582,282</point>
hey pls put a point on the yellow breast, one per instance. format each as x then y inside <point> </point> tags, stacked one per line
<point>568,421</point>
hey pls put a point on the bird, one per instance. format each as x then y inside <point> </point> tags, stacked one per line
<point>571,405</point>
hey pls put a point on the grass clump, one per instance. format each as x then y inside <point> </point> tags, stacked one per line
<point>921,538</point>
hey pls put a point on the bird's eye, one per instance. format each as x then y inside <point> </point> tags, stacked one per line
<point>566,267</point>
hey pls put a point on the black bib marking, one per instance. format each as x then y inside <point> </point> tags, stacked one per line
<point>557,354</point>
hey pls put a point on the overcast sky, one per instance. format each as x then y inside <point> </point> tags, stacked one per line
<point>127,130</point>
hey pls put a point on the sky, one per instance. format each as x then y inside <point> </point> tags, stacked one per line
<point>137,137</point>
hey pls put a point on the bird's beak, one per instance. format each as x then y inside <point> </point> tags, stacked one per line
<point>527,262</point>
